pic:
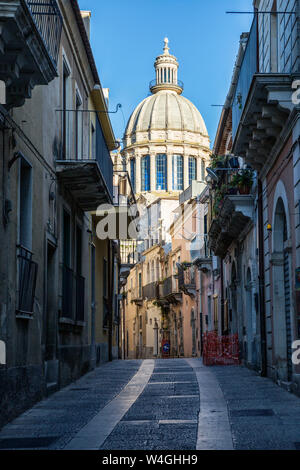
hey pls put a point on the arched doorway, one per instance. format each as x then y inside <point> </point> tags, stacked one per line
<point>282,333</point>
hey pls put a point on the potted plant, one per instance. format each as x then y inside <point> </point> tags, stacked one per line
<point>243,181</point>
<point>218,161</point>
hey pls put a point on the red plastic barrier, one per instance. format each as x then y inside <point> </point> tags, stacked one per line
<point>220,350</point>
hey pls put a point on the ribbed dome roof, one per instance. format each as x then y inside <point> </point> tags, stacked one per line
<point>166,110</point>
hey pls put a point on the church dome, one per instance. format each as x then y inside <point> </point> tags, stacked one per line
<point>166,110</point>
<point>166,144</point>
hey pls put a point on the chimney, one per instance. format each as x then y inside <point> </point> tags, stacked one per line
<point>86,16</point>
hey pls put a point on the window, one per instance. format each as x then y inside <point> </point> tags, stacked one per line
<point>192,169</point>
<point>25,205</point>
<point>67,278</point>
<point>140,285</point>
<point>132,172</point>
<point>152,271</point>
<point>145,173</point>
<point>177,172</point>
<point>161,172</point>
<point>67,239</point>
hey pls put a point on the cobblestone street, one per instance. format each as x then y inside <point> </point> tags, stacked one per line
<point>161,405</point>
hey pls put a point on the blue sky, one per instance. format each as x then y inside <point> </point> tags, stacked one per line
<point>127,36</point>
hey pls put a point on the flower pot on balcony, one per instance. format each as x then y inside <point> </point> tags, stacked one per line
<point>244,190</point>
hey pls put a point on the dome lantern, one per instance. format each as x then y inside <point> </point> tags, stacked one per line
<point>166,68</point>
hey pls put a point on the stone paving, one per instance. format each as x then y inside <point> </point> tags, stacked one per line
<point>161,405</point>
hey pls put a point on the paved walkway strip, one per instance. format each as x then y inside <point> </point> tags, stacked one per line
<point>93,435</point>
<point>214,430</point>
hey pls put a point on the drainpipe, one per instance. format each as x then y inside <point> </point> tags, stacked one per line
<point>262,282</point>
<point>222,296</point>
<point>110,303</point>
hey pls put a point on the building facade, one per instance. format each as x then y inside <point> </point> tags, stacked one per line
<point>56,170</point>
<point>254,227</point>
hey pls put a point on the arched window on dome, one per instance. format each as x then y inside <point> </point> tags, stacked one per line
<point>145,173</point>
<point>192,169</point>
<point>177,173</point>
<point>161,172</point>
<point>132,172</point>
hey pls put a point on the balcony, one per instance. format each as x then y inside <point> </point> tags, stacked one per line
<point>187,279</point>
<point>137,295</point>
<point>156,86</point>
<point>29,45</point>
<point>150,291</point>
<point>128,258</point>
<point>261,105</point>
<point>124,206</point>
<point>201,254</point>
<point>235,215</point>
<point>73,297</point>
<point>168,292</point>
<point>83,164</point>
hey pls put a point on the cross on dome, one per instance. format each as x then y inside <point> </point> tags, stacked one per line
<point>166,48</point>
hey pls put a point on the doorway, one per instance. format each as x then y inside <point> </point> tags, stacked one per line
<point>282,295</point>
<point>50,323</point>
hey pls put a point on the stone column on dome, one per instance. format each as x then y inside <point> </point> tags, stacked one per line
<point>170,172</point>
<point>138,174</point>
<point>152,172</point>
<point>186,171</point>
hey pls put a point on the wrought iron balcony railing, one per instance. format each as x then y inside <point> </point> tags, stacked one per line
<point>170,286</point>
<point>128,252</point>
<point>186,276</point>
<point>82,140</point>
<point>247,71</point>
<point>150,291</point>
<point>137,293</point>
<point>48,20</point>
<point>154,83</point>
